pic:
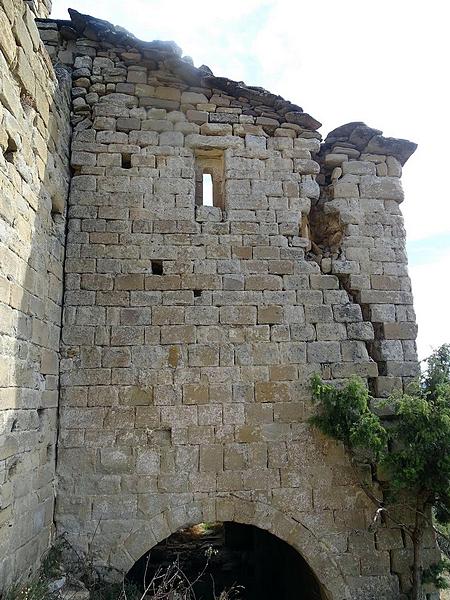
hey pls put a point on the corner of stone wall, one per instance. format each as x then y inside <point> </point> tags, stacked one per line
<point>359,235</point>
<point>34,175</point>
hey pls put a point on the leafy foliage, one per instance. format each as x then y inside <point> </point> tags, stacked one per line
<point>421,456</point>
<point>436,381</point>
<point>414,450</point>
<point>436,574</point>
<point>346,415</point>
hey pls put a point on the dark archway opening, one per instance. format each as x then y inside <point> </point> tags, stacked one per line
<point>258,565</point>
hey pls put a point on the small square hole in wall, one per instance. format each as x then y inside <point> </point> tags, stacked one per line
<point>198,293</point>
<point>126,161</point>
<point>157,267</point>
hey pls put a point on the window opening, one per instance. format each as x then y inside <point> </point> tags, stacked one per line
<point>198,293</point>
<point>207,190</point>
<point>209,178</point>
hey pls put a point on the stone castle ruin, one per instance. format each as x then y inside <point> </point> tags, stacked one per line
<point>157,345</point>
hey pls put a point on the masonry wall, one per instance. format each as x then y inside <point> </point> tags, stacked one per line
<point>34,138</point>
<point>40,8</point>
<point>191,332</point>
<point>359,230</point>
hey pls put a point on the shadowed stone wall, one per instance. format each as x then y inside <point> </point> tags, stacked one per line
<point>34,143</point>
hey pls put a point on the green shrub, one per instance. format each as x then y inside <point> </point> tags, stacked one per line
<point>414,450</point>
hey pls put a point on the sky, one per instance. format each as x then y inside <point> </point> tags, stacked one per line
<point>384,63</point>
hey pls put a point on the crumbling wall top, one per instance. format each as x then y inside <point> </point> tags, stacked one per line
<point>263,103</point>
<point>367,140</point>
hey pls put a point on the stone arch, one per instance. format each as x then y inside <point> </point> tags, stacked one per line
<point>146,534</point>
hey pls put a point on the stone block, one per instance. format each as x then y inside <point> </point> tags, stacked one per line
<point>116,357</point>
<point>197,116</point>
<point>358,167</point>
<point>215,128</point>
<point>399,331</point>
<point>323,352</point>
<point>127,335</point>
<point>7,43</point>
<point>195,394</point>
<point>211,458</point>
<point>193,98</point>
<point>387,188</point>
<point>178,334</point>
<point>347,313</point>
<point>168,315</point>
<point>203,356</point>
<point>318,313</point>
<point>238,315</point>
<point>270,314</point>
<point>331,331</point>
<point>275,391</point>
<point>324,282</point>
<point>134,281</point>
<point>263,282</point>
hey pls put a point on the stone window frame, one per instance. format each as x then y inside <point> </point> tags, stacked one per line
<point>210,162</point>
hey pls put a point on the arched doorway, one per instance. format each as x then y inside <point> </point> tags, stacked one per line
<point>215,557</point>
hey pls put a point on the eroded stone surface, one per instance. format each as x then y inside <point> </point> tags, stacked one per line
<point>34,178</point>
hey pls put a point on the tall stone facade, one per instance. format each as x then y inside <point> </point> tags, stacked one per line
<point>191,331</point>
<point>34,178</point>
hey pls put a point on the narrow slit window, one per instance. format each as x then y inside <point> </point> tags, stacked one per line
<point>209,178</point>
<point>208,193</point>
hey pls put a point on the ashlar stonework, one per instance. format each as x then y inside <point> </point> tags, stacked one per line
<point>189,332</point>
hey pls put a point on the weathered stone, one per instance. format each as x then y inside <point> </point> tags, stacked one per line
<point>399,149</point>
<point>387,188</point>
<point>335,160</point>
<point>191,325</point>
<point>302,119</point>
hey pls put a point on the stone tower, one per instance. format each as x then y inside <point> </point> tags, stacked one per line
<point>191,324</point>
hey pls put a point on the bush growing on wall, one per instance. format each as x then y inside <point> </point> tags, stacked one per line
<point>414,450</point>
